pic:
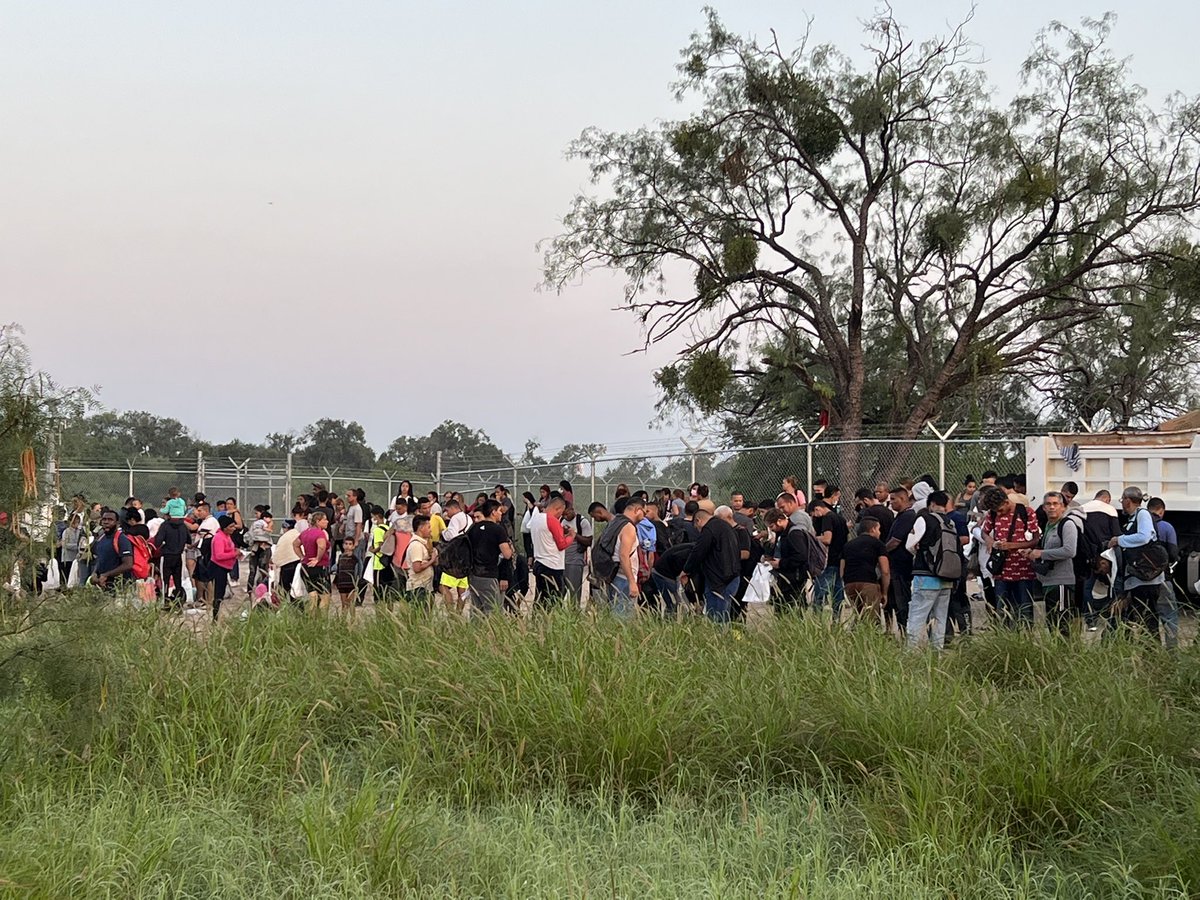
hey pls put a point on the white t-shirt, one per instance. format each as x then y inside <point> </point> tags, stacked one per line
<point>575,555</point>
<point>458,524</point>
<point>354,518</point>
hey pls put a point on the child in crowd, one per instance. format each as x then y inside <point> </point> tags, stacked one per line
<point>344,581</point>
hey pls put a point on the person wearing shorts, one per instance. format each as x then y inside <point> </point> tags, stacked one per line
<point>453,591</point>
<point>312,546</point>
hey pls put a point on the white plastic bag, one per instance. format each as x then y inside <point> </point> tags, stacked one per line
<point>299,591</point>
<point>189,589</point>
<point>369,571</point>
<point>73,575</point>
<point>53,580</point>
<point>759,588</point>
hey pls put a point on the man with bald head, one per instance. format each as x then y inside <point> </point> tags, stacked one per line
<point>717,558</point>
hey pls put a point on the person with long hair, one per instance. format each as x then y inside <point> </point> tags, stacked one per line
<point>791,484</point>
<point>405,492</point>
<point>531,507</point>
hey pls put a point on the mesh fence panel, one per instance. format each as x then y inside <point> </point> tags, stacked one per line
<point>756,472</point>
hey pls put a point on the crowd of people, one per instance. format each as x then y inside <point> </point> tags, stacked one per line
<point>908,556</point>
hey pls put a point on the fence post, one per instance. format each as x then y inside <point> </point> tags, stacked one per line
<point>329,477</point>
<point>810,440</point>
<point>270,487</point>
<point>287,488</point>
<point>130,466</point>
<point>237,491</point>
<point>693,451</point>
<point>593,500</point>
<point>942,436</point>
<point>437,475</point>
<point>200,471</point>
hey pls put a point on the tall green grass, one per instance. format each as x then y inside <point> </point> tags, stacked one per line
<point>288,756</point>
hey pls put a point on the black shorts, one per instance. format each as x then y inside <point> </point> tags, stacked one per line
<point>316,579</point>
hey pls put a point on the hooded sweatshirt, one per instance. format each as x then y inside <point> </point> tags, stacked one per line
<point>224,553</point>
<point>172,537</point>
<point>921,491</point>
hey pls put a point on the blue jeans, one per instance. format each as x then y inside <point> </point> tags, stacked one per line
<point>829,585</point>
<point>1015,602</point>
<point>1168,615</point>
<point>718,599</point>
<point>619,599</point>
<point>668,589</point>
<point>930,602</point>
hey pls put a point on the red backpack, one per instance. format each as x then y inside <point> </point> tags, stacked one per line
<point>141,553</point>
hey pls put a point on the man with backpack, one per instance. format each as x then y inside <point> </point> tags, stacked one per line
<point>615,559</point>
<point>1168,606</point>
<point>1100,526</point>
<point>575,556</point>
<point>1143,562</point>
<point>937,566</point>
<point>112,555</point>
<point>1054,561</point>
<point>1009,526</point>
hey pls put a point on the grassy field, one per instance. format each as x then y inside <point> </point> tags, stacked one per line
<point>291,757</point>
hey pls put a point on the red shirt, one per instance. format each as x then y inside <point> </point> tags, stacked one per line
<point>1016,566</point>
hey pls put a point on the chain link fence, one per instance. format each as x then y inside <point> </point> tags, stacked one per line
<point>756,472</point>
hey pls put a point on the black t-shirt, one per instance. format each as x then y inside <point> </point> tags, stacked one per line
<point>900,558</point>
<point>662,536</point>
<point>833,522</point>
<point>861,556</point>
<point>138,530</point>
<point>683,532</point>
<point>670,563</point>
<point>883,514</point>
<point>485,539</point>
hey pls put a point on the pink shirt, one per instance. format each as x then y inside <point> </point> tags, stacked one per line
<point>403,539</point>
<point>308,540</point>
<point>224,554</point>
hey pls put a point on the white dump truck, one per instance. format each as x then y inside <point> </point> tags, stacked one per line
<point>1163,463</point>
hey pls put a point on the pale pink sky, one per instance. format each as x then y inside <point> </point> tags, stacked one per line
<point>194,193</point>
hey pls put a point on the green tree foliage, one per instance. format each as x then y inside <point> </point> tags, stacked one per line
<point>462,447</point>
<point>882,243</point>
<point>34,410</point>
<point>118,436</point>
<point>1137,365</point>
<point>334,443</point>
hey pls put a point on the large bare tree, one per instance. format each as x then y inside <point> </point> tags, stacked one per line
<point>883,228</point>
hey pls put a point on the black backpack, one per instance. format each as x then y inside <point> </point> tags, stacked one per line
<point>454,556</point>
<point>1084,561</point>
<point>604,567</point>
<point>1148,561</point>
